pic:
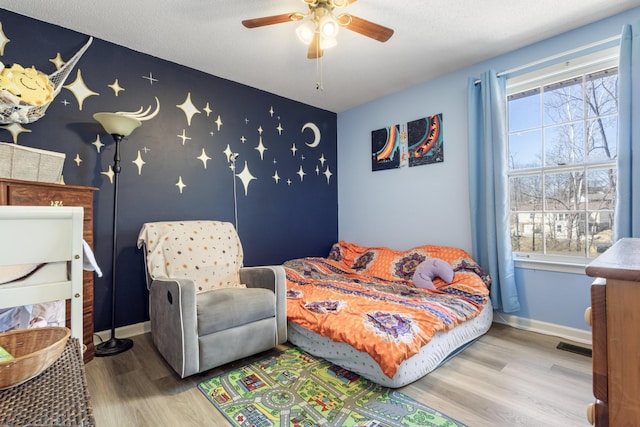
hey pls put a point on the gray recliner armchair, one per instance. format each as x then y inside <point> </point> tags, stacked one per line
<point>205,308</point>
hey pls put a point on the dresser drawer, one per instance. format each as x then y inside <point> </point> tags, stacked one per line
<point>27,195</point>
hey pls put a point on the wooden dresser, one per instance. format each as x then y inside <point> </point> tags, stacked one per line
<point>614,316</point>
<point>31,193</point>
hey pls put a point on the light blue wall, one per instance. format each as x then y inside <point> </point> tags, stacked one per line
<point>406,207</point>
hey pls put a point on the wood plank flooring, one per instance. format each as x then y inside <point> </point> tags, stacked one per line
<point>507,378</point>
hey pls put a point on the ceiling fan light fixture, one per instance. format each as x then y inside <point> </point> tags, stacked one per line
<point>328,26</point>
<point>305,32</point>
<point>327,42</point>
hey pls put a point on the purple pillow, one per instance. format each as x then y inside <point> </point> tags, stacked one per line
<point>430,268</point>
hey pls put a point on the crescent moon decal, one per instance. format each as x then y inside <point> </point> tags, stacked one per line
<point>316,134</point>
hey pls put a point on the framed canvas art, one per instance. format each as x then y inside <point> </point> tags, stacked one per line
<point>385,148</point>
<point>425,141</point>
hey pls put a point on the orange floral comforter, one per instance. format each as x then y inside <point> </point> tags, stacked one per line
<point>365,297</point>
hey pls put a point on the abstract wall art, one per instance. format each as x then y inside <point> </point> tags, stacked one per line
<point>425,140</point>
<point>385,148</point>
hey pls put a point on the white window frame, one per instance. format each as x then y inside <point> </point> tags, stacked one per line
<point>563,70</point>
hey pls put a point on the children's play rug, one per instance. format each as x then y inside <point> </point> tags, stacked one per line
<point>293,388</point>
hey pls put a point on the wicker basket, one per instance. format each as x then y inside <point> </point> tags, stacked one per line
<point>34,350</point>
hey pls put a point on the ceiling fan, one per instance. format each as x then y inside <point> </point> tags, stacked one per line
<point>320,29</point>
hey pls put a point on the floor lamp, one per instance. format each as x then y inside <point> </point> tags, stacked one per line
<point>119,126</point>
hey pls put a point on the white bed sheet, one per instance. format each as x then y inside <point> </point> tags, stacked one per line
<point>430,356</point>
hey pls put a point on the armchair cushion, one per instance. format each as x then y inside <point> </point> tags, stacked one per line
<point>207,252</point>
<point>223,309</point>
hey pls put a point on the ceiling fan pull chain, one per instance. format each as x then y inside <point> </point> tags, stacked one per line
<point>319,85</point>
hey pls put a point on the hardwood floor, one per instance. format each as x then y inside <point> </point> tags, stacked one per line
<point>507,378</point>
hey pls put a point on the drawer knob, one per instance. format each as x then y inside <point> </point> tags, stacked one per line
<point>587,316</point>
<point>591,412</point>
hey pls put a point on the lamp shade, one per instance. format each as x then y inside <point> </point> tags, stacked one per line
<point>117,124</point>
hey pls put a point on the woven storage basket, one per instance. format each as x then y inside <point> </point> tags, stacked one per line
<point>34,350</point>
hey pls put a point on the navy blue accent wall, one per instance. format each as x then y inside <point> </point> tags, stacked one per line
<point>286,191</point>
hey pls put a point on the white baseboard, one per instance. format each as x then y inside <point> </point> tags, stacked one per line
<point>123,332</point>
<point>573,334</point>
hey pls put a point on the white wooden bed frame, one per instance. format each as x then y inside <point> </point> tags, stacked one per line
<point>38,235</point>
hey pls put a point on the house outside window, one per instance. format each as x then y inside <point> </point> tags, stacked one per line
<point>562,125</point>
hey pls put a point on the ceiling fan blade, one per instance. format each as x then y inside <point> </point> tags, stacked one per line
<point>270,20</point>
<point>364,27</point>
<point>314,51</point>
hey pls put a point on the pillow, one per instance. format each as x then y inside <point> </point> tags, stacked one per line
<point>430,268</point>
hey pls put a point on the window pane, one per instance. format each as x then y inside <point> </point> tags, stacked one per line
<point>526,232</point>
<point>564,144</point>
<point>601,189</point>
<point>525,149</point>
<point>565,233</point>
<point>524,110</point>
<point>563,102</point>
<point>564,191</point>
<point>601,93</point>
<point>603,138</point>
<point>526,193</point>
<point>600,231</point>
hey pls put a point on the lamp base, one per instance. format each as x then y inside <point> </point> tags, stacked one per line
<point>113,346</point>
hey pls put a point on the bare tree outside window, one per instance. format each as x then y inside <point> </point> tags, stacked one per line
<point>562,161</point>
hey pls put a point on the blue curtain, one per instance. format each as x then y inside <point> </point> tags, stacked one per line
<point>488,188</point>
<point>627,215</point>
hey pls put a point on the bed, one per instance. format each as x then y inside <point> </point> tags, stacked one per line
<point>360,309</point>
<point>41,263</point>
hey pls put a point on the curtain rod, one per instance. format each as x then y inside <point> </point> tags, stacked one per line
<point>556,56</point>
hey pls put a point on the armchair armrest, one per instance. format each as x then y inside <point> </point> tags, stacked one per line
<point>172,309</point>
<point>270,277</point>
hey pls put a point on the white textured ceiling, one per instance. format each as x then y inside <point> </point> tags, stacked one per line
<point>432,38</point>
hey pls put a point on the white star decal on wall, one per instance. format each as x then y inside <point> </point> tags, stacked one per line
<point>139,163</point>
<point>243,139</point>
<point>322,159</point>
<point>276,177</point>
<point>57,61</point>
<point>261,149</point>
<point>207,109</point>
<point>317,170</point>
<point>184,137</point>
<point>109,174</point>
<point>64,102</point>
<point>246,177</point>
<point>78,160</point>
<point>280,129</point>
<point>181,185</point>
<point>80,90</point>
<point>188,108</point>
<point>260,130</point>
<point>328,174</point>
<point>293,149</point>
<point>288,182</point>
<point>116,87</point>
<point>227,151</point>
<point>204,158</point>
<point>301,173</point>
<point>271,111</point>
<point>150,78</point>
<point>3,40</point>
<point>97,143</point>
<point>219,122</point>
<point>15,129</point>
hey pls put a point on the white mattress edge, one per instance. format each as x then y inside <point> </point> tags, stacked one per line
<point>426,360</point>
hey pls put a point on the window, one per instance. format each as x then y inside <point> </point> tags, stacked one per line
<point>562,124</point>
